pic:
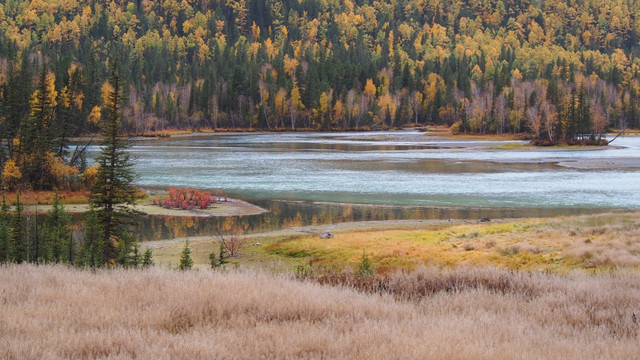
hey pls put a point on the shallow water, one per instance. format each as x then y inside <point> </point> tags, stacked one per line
<point>428,172</point>
<point>305,179</point>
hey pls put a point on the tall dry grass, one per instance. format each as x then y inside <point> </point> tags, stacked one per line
<point>52,312</point>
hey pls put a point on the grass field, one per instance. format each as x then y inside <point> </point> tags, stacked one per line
<point>594,243</point>
<point>560,288</point>
<point>55,312</point>
<point>591,243</point>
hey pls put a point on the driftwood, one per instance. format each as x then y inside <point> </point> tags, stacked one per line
<point>620,133</point>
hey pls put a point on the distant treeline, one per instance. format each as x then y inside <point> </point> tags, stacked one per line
<point>557,69</point>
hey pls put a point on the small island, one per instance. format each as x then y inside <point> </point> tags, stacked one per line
<point>193,202</point>
<point>176,202</point>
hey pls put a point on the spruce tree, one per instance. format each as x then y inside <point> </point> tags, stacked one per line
<point>18,242</point>
<point>128,255</point>
<point>213,260</point>
<point>5,236</point>
<point>37,135</point>
<point>92,254</point>
<point>584,112</point>
<point>112,195</point>
<point>185,258</point>
<point>147,258</point>
<point>57,233</point>
<point>223,255</point>
<point>17,94</point>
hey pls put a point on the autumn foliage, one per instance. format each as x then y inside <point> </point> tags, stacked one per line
<point>491,66</point>
<point>188,199</point>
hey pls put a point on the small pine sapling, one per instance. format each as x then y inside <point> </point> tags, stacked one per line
<point>213,260</point>
<point>365,269</point>
<point>223,255</point>
<point>136,258</point>
<point>147,258</point>
<point>186,263</point>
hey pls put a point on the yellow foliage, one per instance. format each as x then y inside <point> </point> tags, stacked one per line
<point>106,90</point>
<point>280,101</point>
<point>95,115</point>
<point>255,30</point>
<point>338,110</point>
<point>11,173</point>
<point>88,177</point>
<point>59,169</point>
<point>455,128</point>
<point>370,88</point>
<point>51,89</point>
<point>64,97</point>
<point>324,103</point>
<point>270,49</point>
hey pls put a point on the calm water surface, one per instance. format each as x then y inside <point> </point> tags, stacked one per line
<point>308,178</point>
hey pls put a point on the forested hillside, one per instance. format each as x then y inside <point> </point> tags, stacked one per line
<point>554,68</point>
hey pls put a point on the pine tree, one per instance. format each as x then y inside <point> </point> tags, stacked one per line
<point>213,260</point>
<point>37,135</point>
<point>583,112</point>
<point>136,257</point>
<point>57,233</point>
<point>571,129</point>
<point>365,268</point>
<point>147,258</point>
<point>185,259</point>
<point>93,245</point>
<point>128,255</point>
<point>18,241</point>
<point>5,236</point>
<point>223,255</point>
<point>112,195</point>
<point>17,93</point>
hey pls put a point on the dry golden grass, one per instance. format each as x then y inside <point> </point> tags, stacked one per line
<point>54,312</point>
<point>67,197</point>
<point>443,130</point>
<point>46,197</point>
<point>173,132</point>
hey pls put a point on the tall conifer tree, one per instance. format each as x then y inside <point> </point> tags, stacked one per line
<point>5,236</point>
<point>112,195</point>
<point>18,242</point>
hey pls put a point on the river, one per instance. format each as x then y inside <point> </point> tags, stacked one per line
<point>307,178</point>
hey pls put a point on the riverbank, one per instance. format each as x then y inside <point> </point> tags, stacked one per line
<point>231,207</point>
<point>591,243</point>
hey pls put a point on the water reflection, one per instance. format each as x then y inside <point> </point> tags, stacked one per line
<point>408,175</point>
<point>287,214</point>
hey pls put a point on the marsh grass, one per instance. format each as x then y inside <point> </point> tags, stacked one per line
<point>594,242</point>
<point>55,312</point>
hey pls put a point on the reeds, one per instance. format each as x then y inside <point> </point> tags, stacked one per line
<point>50,312</point>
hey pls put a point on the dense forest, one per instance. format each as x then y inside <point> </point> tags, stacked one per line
<point>557,69</point>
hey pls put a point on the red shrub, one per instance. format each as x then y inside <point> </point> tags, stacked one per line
<point>189,199</point>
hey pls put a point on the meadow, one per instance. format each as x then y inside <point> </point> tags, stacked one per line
<point>590,243</point>
<point>552,288</point>
<point>57,312</point>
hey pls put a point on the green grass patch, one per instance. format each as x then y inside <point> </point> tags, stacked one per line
<point>512,146</point>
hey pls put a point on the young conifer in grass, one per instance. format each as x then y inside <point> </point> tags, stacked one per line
<point>365,269</point>
<point>19,247</point>
<point>58,234</point>
<point>92,254</point>
<point>147,258</point>
<point>185,258</point>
